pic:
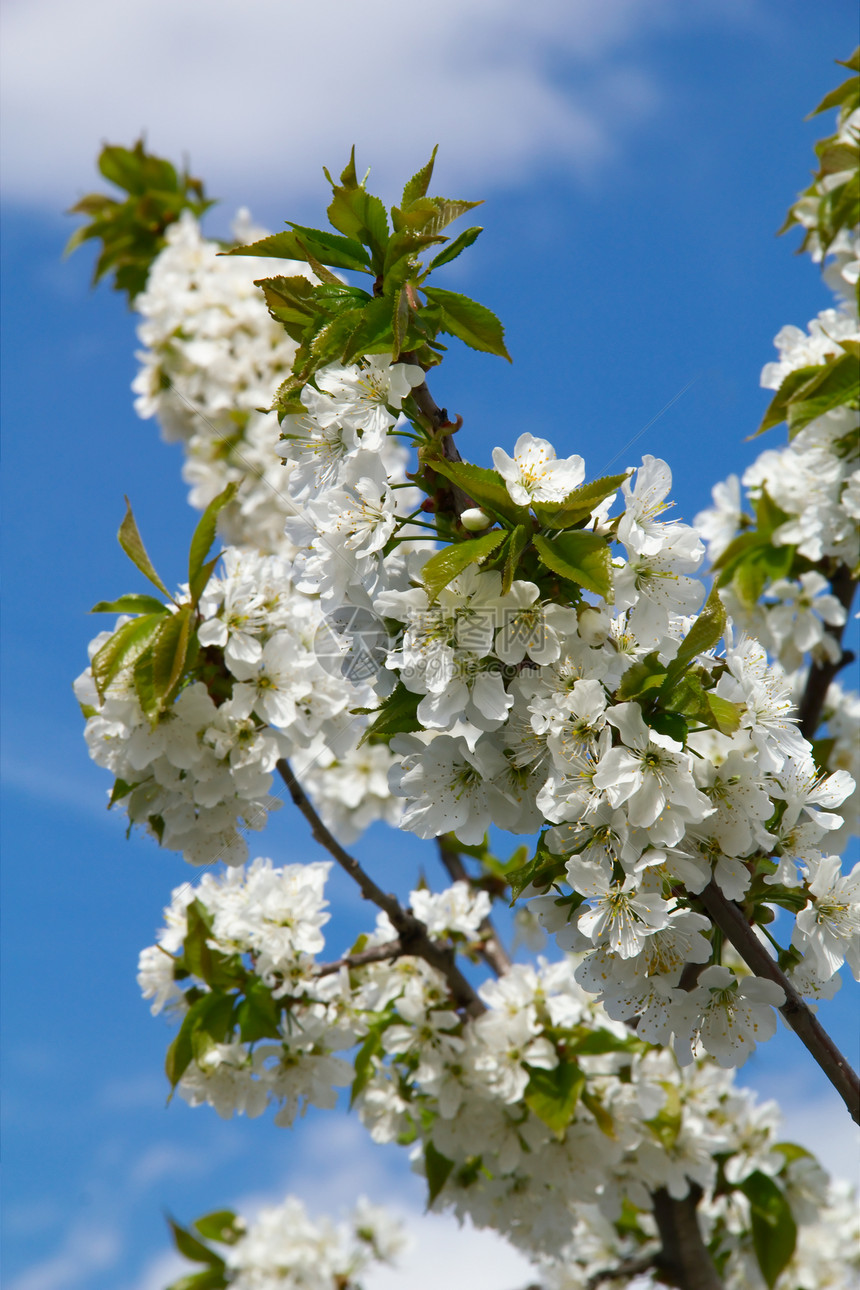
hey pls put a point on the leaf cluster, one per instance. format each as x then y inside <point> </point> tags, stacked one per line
<point>835,190</point>
<point>132,229</point>
<point>222,1226</point>
<point>332,320</point>
<point>158,646</point>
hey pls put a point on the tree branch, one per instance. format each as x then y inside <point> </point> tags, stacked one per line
<point>623,1271</point>
<point>820,675</point>
<point>683,1259</point>
<point>730,919</point>
<point>413,934</point>
<point>492,951</point>
<point>388,951</point>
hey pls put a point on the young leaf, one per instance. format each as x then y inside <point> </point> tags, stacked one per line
<point>437,1168</point>
<point>419,183</point>
<point>455,248</point>
<point>703,635</point>
<point>211,1278</point>
<point>444,566</point>
<point>580,557</point>
<point>169,653</point>
<point>258,1014</point>
<point>397,714</point>
<point>124,648</point>
<point>727,715</point>
<point>204,534</point>
<point>474,324</point>
<point>210,1015</point>
<point>132,543</point>
<point>579,504</point>
<point>553,1095</point>
<point>337,252</point>
<point>131,604</point>
<point>192,1248</point>
<point>773,1226</point>
<point>519,539</point>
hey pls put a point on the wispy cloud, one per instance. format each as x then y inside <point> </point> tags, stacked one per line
<point>87,1250</point>
<point>261,94</point>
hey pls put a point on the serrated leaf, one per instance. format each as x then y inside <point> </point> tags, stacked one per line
<point>419,183</point>
<point>444,566</point>
<point>204,534</point>
<point>518,540</point>
<point>169,654</point>
<point>131,542</point>
<point>124,648</point>
<point>580,557</point>
<point>130,604</point>
<point>328,248</point>
<point>471,322</point>
<point>702,636</point>
<point>773,1227</point>
<point>455,248</point>
<point>579,504</point>
<point>361,216</point>
<point>437,1169</point>
<point>553,1095</point>
<point>485,487</point>
<point>397,714</point>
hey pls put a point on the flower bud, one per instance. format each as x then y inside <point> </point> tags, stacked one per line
<point>474,519</point>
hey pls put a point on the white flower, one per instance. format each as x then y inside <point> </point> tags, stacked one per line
<point>728,1016</point>
<point>534,474</point>
<point>622,915</point>
<point>827,931</point>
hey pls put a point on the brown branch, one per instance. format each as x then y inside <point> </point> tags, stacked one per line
<point>413,934</point>
<point>440,422</point>
<point>820,676</point>
<point>491,949</point>
<point>388,951</point>
<point>624,1270</point>
<point>683,1259</point>
<point>731,921</point>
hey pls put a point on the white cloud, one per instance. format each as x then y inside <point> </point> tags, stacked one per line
<point>259,94</point>
<point>85,1251</point>
<point>443,1253</point>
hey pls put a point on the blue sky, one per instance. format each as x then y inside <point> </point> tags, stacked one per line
<point>636,161</point>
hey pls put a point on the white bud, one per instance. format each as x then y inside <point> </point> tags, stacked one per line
<point>475,519</point>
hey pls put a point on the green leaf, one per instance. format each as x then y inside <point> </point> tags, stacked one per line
<point>646,675</point>
<point>397,714</point>
<point>372,1047</point>
<point>130,604</point>
<point>337,252</point>
<point>292,301</point>
<point>204,534</point>
<point>124,648</point>
<point>603,1118</point>
<point>258,1014</point>
<point>542,870</point>
<point>221,1225</point>
<point>773,1227</point>
<point>209,1016</point>
<point>705,633</point>
<point>579,504</point>
<point>838,386</point>
<point>419,183</point>
<point>553,1095</point>
<point>517,542</point>
<point>359,215</point>
<point>727,715</point>
<point>444,566</point>
<point>474,324</point>
<point>580,557</point>
<point>212,1278</point>
<point>455,248</point>
<point>437,1168</point>
<point>169,655</point>
<point>132,543</point>
<point>188,1245</point>
<point>485,487</point>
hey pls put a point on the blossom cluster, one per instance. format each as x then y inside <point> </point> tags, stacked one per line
<point>201,775</point>
<point>538,1116</point>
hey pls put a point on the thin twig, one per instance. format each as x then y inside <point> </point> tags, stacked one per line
<point>626,1269</point>
<point>730,919</point>
<point>413,934</point>
<point>491,949</point>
